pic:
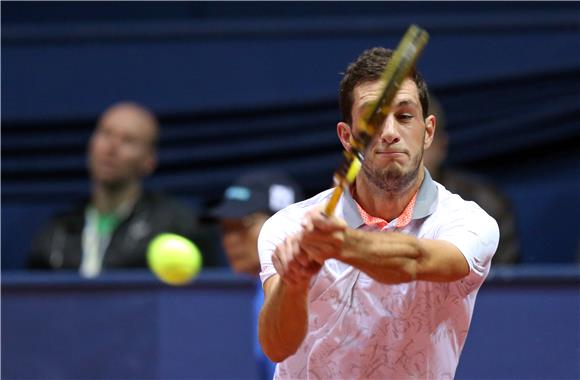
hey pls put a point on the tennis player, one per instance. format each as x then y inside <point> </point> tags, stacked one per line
<point>386,288</point>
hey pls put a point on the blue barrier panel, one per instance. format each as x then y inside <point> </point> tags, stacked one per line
<point>127,325</point>
<point>526,325</point>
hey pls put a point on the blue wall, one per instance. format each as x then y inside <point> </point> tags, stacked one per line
<point>247,85</point>
<point>127,325</point>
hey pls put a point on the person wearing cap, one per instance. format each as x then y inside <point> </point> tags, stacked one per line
<point>247,204</point>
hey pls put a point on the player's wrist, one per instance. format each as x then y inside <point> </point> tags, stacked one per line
<point>351,245</point>
<point>296,289</point>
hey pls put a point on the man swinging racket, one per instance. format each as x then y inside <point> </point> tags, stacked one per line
<point>378,281</point>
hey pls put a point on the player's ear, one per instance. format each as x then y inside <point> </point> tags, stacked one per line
<point>344,134</point>
<point>430,125</point>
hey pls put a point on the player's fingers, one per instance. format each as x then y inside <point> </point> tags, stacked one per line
<point>277,264</point>
<point>290,280</point>
<point>298,255</point>
<point>313,268</point>
<point>286,272</point>
<point>312,215</point>
<point>318,236</point>
<point>294,256</point>
<point>307,224</point>
<point>281,254</point>
<point>289,249</point>
<point>320,244</point>
<point>327,224</point>
<point>302,259</point>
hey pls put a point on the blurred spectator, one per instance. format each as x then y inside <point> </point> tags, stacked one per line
<point>113,228</point>
<point>473,188</point>
<point>247,204</point>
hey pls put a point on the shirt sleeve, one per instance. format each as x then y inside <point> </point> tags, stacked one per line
<point>40,252</point>
<point>476,235</point>
<point>273,233</point>
<point>267,243</point>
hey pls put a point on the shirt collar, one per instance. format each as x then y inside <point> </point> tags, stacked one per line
<point>121,212</point>
<point>426,197</point>
<point>350,211</point>
<point>425,202</point>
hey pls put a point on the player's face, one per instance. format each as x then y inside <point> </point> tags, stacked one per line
<point>240,241</point>
<point>120,150</point>
<point>394,156</point>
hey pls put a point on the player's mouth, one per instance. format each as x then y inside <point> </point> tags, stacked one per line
<point>390,153</point>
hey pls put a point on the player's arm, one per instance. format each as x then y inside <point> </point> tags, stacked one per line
<point>395,257</point>
<point>387,257</point>
<point>283,320</point>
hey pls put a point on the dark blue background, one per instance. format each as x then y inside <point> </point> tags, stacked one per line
<point>245,85</point>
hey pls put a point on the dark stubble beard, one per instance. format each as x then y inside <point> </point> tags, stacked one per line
<point>115,187</point>
<point>112,187</point>
<point>392,180</point>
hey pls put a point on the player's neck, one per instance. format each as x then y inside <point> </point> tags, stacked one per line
<point>383,204</point>
<point>108,199</point>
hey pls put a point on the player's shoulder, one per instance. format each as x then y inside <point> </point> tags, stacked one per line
<point>293,213</point>
<point>452,204</point>
<point>307,204</point>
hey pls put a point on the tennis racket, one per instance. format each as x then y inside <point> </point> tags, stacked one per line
<point>399,67</point>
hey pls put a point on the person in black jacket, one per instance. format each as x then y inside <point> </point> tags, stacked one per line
<point>473,188</point>
<point>114,227</point>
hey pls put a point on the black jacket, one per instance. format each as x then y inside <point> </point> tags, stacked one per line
<point>59,244</point>
<point>494,202</point>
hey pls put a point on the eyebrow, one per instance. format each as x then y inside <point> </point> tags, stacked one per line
<point>402,103</point>
<point>407,102</point>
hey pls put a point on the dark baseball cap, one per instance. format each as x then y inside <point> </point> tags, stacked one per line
<point>257,191</point>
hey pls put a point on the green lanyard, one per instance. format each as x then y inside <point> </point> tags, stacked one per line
<point>106,224</point>
<point>96,237</point>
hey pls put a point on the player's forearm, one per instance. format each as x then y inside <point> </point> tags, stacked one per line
<point>386,257</point>
<point>283,321</point>
<point>395,257</point>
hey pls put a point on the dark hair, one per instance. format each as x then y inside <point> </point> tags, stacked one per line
<point>435,108</point>
<point>369,67</point>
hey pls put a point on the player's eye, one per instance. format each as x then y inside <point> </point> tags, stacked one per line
<point>405,117</point>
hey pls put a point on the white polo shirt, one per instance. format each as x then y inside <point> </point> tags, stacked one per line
<point>359,328</point>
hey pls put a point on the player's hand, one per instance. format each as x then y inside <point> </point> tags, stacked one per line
<point>322,237</point>
<point>292,263</point>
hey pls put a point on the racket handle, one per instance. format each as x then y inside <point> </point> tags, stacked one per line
<point>346,181</point>
<point>331,205</point>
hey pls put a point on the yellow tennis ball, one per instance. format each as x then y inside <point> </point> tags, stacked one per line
<point>174,259</point>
